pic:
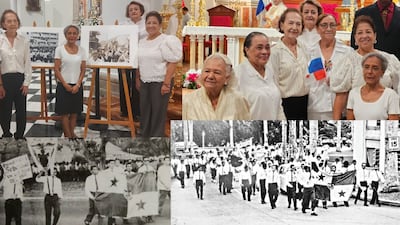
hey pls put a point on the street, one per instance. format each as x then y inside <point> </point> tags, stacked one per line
<point>218,209</point>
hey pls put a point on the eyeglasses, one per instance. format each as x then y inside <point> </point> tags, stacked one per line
<point>326,25</point>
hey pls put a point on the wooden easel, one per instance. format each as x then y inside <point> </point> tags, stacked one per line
<point>108,119</point>
<point>43,97</point>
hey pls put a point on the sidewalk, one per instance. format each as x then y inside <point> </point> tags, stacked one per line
<point>390,199</point>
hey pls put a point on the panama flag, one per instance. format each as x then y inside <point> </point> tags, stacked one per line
<point>260,7</point>
<point>342,186</point>
<point>317,68</point>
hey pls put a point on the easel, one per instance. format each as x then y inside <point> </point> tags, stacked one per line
<point>109,120</point>
<point>43,97</point>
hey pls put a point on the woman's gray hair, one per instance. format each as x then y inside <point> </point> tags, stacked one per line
<point>384,61</point>
<point>69,26</point>
<point>232,82</point>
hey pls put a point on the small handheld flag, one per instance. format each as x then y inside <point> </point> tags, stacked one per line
<point>317,68</point>
<point>260,7</point>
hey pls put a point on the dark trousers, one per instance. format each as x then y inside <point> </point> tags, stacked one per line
<point>92,211</point>
<point>222,183</point>
<point>153,109</point>
<point>229,180</point>
<point>133,92</point>
<point>309,195</point>
<point>12,83</point>
<point>163,196</point>
<point>199,188</point>
<point>295,108</point>
<point>253,184</point>
<point>359,193</point>
<point>273,194</point>
<point>246,187</point>
<point>375,197</point>
<point>291,194</point>
<point>213,173</point>
<point>182,178</point>
<point>52,203</point>
<point>13,208</point>
<point>263,190</point>
<point>187,171</point>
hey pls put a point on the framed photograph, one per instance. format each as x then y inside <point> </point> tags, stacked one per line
<point>43,43</point>
<point>111,46</point>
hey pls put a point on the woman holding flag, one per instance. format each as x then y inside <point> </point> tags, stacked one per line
<point>326,54</point>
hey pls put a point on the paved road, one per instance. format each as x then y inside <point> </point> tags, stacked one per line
<point>73,212</point>
<point>231,209</point>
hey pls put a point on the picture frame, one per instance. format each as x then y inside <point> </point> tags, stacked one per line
<point>43,43</point>
<point>111,45</point>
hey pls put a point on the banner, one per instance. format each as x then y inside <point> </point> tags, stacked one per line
<point>143,204</point>
<point>17,169</point>
<point>342,186</point>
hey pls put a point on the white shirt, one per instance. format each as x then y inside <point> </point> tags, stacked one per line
<point>52,182</point>
<point>199,175</point>
<point>141,27</point>
<point>388,103</point>
<point>310,38</point>
<point>70,63</point>
<point>181,168</point>
<point>290,71</point>
<point>376,175</point>
<point>12,191</point>
<point>262,93</point>
<point>93,183</point>
<point>362,175</point>
<point>245,175</point>
<point>155,54</point>
<point>321,97</point>
<point>272,177</point>
<point>16,59</point>
<point>164,177</point>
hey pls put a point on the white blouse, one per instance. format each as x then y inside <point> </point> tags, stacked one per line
<point>388,103</point>
<point>155,54</point>
<point>290,71</point>
<point>262,93</point>
<point>70,63</point>
<point>321,98</point>
<point>309,38</point>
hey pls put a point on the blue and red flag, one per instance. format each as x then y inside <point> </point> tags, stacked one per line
<point>260,7</point>
<point>317,68</point>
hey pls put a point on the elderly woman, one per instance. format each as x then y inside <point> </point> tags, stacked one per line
<point>310,11</point>
<point>350,72</point>
<point>289,61</point>
<point>330,50</point>
<point>256,80</point>
<point>216,99</point>
<point>373,101</point>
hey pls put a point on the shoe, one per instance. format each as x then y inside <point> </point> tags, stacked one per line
<point>346,204</point>
<point>303,211</point>
<point>201,198</point>
<point>288,206</point>
<point>334,204</point>
<point>314,214</point>
<point>325,207</point>
<point>366,205</point>
<point>379,204</point>
<point>263,202</point>
<point>295,208</point>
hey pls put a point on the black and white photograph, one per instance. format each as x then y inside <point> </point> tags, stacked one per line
<point>285,172</point>
<point>43,42</point>
<point>91,181</point>
<point>110,45</point>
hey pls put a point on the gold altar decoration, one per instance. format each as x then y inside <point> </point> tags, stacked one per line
<point>236,5</point>
<point>201,21</point>
<point>166,14</point>
<point>178,73</point>
<point>191,21</point>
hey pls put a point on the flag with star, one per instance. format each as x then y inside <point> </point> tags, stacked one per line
<point>322,180</point>
<point>342,186</point>
<point>143,195</point>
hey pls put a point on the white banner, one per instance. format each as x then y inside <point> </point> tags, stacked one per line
<point>143,204</point>
<point>17,169</point>
<point>341,193</point>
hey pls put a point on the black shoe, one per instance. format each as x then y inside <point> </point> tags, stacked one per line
<point>314,214</point>
<point>334,204</point>
<point>201,198</point>
<point>295,208</point>
<point>379,204</point>
<point>325,207</point>
<point>346,204</point>
<point>263,202</point>
<point>288,206</point>
<point>303,211</point>
<point>366,205</point>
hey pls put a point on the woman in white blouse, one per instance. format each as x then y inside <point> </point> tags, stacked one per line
<point>330,50</point>
<point>158,56</point>
<point>373,101</point>
<point>289,62</point>
<point>69,68</point>
<point>256,80</point>
<point>15,74</point>
<point>310,11</point>
<point>349,74</point>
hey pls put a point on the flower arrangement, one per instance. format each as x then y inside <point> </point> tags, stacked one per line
<point>190,78</point>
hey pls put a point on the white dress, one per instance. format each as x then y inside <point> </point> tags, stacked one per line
<point>321,98</point>
<point>262,93</point>
<point>388,103</point>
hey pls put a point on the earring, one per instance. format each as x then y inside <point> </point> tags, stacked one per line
<point>375,41</point>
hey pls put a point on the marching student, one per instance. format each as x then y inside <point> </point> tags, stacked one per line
<point>181,168</point>
<point>362,183</point>
<point>375,176</point>
<point>92,186</point>
<point>13,194</point>
<point>273,189</point>
<point>164,182</point>
<point>291,186</point>
<point>261,177</point>
<point>53,190</point>
<point>222,177</point>
<point>308,181</point>
<point>245,179</point>
<point>199,179</point>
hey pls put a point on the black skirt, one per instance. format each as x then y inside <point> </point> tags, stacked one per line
<point>68,103</point>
